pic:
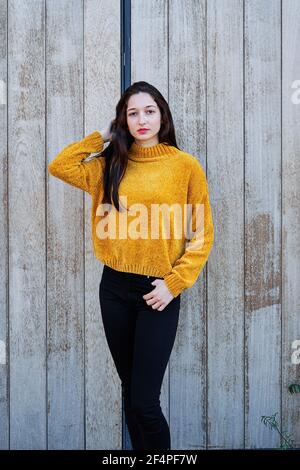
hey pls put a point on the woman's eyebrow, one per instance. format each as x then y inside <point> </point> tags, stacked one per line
<point>149,105</point>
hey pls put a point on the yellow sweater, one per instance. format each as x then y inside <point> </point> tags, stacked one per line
<point>156,175</point>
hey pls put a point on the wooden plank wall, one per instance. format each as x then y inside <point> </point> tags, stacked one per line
<point>290,215</point>
<point>4,371</point>
<point>229,70</point>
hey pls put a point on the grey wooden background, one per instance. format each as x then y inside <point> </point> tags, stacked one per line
<point>229,70</point>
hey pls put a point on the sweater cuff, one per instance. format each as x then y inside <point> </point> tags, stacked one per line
<point>95,140</point>
<point>174,284</point>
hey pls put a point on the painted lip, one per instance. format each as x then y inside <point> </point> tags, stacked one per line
<point>143,130</point>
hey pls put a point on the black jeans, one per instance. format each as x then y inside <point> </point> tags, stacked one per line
<point>140,340</point>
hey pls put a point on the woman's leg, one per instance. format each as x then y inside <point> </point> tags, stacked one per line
<point>154,338</point>
<point>119,326</point>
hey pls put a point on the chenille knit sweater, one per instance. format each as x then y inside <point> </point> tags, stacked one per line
<point>156,175</point>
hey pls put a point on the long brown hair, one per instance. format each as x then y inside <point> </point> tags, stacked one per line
<point>116,153</point>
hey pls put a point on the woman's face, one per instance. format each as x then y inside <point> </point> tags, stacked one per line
<point>143,112</point>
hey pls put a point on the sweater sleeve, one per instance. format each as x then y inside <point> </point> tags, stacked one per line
<point>70,167</point>
<point>187,268</point>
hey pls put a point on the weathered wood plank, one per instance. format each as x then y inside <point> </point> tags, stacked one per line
<point>225,310</point>
<point>290,213</point>
<point>65,220</point>
<point>262,219</point>
<point>27,224</point>
<point>4,371</point>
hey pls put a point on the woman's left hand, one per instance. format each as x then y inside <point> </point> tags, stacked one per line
<point>159,297</point>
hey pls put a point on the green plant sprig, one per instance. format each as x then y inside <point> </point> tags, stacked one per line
<point>271,423</point>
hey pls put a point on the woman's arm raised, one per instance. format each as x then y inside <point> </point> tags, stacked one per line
<point>69,164</point>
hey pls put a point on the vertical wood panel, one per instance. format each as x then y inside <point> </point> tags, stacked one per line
<point>102,77</point>
<point>27,248</point>
<point>187,98</point>
<point>225,314</point>
<point>149,62</point>
<point>290,212</point>
<point>262,218</point>
<point>65,265</point>
<point>4,403</point>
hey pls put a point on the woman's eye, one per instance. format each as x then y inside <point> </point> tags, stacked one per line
<point>150,111</point>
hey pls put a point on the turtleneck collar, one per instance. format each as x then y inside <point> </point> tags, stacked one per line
<point>155,152</point>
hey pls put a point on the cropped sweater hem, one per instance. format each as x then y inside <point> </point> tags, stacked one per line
<point>131,268</point>
<point>174,285</point>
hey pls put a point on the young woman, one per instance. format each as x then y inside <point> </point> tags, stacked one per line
<point>140,180</point>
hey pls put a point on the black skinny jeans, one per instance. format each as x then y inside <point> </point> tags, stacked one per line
<point>140,340</point>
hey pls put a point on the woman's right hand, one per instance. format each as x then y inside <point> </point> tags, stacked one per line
<point>106,132</point>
